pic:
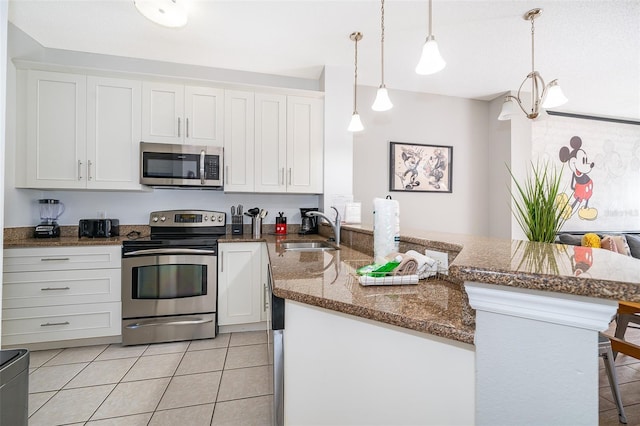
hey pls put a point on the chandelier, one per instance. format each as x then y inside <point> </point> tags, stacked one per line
<point>542,96</point>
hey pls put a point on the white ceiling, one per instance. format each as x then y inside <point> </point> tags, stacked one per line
<point>591,46</point>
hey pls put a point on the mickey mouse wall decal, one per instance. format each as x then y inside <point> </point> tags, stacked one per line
<point>581,183</point>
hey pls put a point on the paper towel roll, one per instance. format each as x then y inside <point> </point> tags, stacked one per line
<point>386,228</point>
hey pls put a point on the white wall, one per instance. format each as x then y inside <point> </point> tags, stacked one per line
<point>20,205</point>
<point>337,83</point>
<point>426,119</point>
<point>499,178</point>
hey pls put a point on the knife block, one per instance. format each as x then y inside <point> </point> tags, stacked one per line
<point>237,223</point>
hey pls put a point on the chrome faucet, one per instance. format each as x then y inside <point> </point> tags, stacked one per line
<point>335,225</point>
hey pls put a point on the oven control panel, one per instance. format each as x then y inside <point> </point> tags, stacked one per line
<point>187,218</point>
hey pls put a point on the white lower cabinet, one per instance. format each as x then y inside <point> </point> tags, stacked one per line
<point>60,293</point>
<point>241,283</point>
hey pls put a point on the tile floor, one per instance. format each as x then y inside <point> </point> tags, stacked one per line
<point>221,381</point>
<point>628,372</point>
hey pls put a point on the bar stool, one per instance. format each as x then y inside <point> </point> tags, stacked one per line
<point>604,350</point>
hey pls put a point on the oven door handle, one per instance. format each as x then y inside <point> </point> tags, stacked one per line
<point>169,251</point>
<point>160,322</point>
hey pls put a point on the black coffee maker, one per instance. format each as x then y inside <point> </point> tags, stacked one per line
<point>309,225</point>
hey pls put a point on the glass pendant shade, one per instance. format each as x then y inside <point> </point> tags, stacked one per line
<point>554,96</point>
<point>431,61</point>
<point>356,124</point>
<point>508,110</point>
<point>382,102</point>
<point>168,13</point>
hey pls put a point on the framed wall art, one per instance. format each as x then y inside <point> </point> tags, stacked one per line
<point>420,168</point>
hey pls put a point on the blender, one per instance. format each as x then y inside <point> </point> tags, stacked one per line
<point>50,211</point>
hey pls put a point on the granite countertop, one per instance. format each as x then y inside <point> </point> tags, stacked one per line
<point>22,237</point>
<point>438,306</point>
<point>328,280</point>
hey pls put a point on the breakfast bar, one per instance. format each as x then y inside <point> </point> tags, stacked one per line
<point>453,349</point>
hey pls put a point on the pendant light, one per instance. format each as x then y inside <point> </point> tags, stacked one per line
<point>356,124</point>
<point>382,102</point>
<point>430,61</point>
<point>551,95</point>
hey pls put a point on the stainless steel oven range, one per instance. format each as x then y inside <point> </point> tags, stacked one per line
<point>169,282</point>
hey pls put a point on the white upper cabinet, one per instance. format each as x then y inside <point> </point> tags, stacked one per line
<point>56,130</point>
<point>305,142</point>
<point>271,143</point>
<point>239,141</point>
<point>113,133</point>
<point>283,153</point>
<point>173,113</point>
<point>82,132</point>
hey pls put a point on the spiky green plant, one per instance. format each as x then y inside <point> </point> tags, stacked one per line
<point>538,209</point>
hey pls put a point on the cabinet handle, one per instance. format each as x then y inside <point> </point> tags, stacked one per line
<point>282,177</point>
<point>226,174</point>
<point>50,324</point>
<point>55,288</point>
<point>79,170</point>
<point>51,259</point>
<point>178,126</point>
<point>202,158</point>
<point>221,261</point>
<point>289,175</point>
<point>187,127</point>
<point>89,163</point>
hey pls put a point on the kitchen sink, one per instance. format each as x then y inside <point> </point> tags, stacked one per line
<point>307,246</point>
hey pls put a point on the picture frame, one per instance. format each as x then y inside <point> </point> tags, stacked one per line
<point>420,168</point>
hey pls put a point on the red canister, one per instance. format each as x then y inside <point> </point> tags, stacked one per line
<point>281,224</point>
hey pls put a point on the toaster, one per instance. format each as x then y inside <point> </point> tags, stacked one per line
<point>98,228</point>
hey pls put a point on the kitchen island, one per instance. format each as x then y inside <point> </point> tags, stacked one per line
<point>403,354</point>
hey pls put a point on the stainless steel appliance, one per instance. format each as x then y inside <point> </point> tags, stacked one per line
<point>275,321</point>
<point>176,165</point>
<point>98,228</point>
<point>50,211</point>
<point>169,281</point>
<point>309,224</point>
<point>14,387</point>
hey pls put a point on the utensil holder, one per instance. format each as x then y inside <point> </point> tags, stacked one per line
<point>237,224</point>
<point>256,227</point>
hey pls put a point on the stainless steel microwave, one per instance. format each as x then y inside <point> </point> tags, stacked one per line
<point>176,165</point>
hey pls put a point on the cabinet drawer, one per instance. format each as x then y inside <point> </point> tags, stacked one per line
<point>61,258</point>
<point>51,288</point>
<point>44,324</point>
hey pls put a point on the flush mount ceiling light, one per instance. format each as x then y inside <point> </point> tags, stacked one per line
<point>430,61</point>
<point>168,13</point>
<point>382,102</point>
<point>551,95</point>
<point>356,124</point>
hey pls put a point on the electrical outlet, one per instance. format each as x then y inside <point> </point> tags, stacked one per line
<point>441,258</point>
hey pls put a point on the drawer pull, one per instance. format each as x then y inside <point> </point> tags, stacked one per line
<point>55,288</point>
<point>51,324</point>
<point>50,259</point>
